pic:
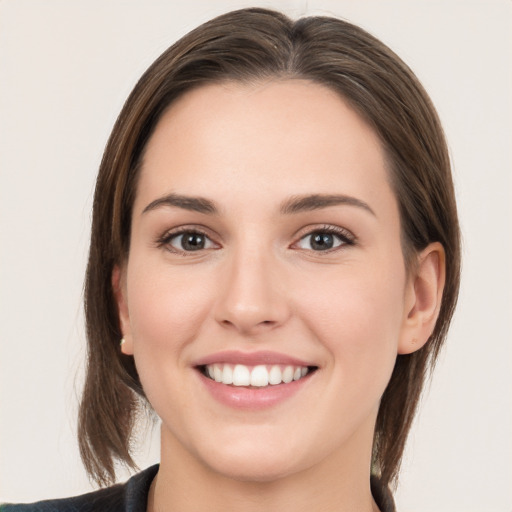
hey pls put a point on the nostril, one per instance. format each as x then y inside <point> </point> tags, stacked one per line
<point>248,326</point>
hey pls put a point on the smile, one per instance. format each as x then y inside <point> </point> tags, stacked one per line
<point>241,375</point>
<point>253,381</point>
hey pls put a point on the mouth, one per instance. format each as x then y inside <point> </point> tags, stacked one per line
<point>255,376</point>
<point>254,381</point>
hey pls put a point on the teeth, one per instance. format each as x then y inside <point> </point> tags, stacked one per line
<point>275,376</point>
<point>227,374</point>
<point>257,376</point>
<point>288,374</point>
<point>217,372</point>
<point>241,375</point>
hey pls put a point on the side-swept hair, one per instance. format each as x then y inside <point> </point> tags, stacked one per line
<point>246,46</point>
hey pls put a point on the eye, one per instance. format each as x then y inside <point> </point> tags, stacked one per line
<point>324,240</point>
<point>187,241</point>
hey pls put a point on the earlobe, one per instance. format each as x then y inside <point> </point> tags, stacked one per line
<point>423,298</point>
<point>119,289</point>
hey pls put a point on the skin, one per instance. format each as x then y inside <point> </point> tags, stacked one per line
<point>259,284</point>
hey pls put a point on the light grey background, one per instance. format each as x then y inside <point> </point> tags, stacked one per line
<point>65,70</point>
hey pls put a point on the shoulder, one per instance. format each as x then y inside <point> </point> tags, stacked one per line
<point>128,497</point>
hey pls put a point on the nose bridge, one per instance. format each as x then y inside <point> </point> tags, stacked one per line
<point>252,296</point>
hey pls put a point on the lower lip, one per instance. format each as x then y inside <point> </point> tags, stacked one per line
<point>252,398</point>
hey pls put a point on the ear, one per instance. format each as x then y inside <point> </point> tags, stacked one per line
<point>119,288</point>
<point>423,298</point>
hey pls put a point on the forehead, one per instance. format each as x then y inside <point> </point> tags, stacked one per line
<point>275,137</point>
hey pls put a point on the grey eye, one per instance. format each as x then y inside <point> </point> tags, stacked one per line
<point>320,241</point>
<point>190,241</point>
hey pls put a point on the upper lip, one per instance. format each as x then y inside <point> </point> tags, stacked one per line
<point>250,358</point>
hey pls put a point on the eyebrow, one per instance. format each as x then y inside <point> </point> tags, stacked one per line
<point>195,204</point>
<point>307,203</point>
<point>295,204</point>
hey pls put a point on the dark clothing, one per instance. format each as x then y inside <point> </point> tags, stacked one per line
<point>132,496</point>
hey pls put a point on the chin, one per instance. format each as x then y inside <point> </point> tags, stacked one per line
<point>262,470</point>
<point>256,462</point>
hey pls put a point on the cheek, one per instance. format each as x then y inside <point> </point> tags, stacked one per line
<point>357,315</point>
<point>165,307</point>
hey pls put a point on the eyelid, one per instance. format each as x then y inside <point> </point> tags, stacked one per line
<point>163,241</point>
<point>347,237</point>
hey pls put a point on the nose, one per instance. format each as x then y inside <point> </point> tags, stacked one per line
<point>252,296</point>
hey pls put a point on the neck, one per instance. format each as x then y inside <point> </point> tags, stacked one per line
<point>338,484</point>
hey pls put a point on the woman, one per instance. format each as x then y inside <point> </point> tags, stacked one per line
<point>274,264</point>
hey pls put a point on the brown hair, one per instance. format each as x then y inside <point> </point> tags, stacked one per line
<point>249,45</point>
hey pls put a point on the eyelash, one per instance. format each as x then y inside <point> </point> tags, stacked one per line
<point>346,238</point>
<point>165,240</point>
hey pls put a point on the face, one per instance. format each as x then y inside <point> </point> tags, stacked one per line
<point>265,296</point>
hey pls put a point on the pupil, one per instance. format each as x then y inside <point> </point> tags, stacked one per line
<point>322,241</point>
<point>193,242</point>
